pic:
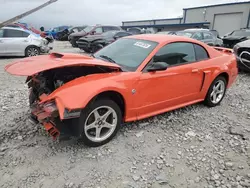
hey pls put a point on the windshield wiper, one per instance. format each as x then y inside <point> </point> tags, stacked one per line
<point>108,58</point>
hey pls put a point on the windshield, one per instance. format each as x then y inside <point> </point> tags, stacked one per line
<point>244,33</point>
<point>186,34</point>
<point>128,53</point>
<point>88,29</point>
<point>54,29</point>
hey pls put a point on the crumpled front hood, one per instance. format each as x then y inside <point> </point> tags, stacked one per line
<point>33,65</point>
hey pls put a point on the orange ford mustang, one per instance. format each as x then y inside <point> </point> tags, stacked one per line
<point>133,78</point>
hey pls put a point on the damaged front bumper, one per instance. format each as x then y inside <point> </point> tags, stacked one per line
<point>46,49</point>
<point>47,114</point>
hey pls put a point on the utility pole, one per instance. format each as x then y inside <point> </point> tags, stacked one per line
<point>26,13</point>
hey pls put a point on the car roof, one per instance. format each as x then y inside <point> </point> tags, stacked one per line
<point>161,38</point>
<point>14,28</point>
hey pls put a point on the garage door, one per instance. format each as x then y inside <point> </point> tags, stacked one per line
<point>225,23</point>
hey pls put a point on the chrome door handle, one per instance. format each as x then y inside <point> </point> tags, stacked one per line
<point>195,70</point>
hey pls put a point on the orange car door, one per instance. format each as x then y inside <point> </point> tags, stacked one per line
<point>181,83</point>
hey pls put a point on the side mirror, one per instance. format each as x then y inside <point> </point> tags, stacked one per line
<point>92,32</point>
<point>157,66</point>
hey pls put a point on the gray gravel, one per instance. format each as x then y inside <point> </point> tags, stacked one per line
<point>191,147</point>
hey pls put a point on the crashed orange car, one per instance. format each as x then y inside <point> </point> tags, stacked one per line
<point>134,78</point>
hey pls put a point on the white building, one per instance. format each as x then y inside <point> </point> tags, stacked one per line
<point>222,17</point>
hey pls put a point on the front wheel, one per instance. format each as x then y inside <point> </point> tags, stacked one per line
<point>32,51</point>
<point>101,121</point>
<point>216,92</point>
<point>97,47</point>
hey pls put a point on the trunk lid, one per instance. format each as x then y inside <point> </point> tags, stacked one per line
<point>33,65</point>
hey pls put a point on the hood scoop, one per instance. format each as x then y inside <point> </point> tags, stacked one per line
<point>69,56</point>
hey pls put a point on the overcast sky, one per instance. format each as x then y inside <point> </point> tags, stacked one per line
<point>82,12</point>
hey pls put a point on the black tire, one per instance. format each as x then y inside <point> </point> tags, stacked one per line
<point>97,47</point>
<point>86,112</point>
<point>32,51</point>
<point>208,100</point>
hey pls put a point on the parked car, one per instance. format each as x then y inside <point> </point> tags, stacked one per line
<point>20,42</point>
<point>54,31</point>
<point>19,25</point>
<point>91,30</point>
<point>201,35</point>
<point>242,53</point>
<point>235,37</point>
<point>133,78</point>
<point>93,43</point>
<point>64,34</point>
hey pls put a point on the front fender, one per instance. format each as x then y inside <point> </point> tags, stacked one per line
<point>79,92</point>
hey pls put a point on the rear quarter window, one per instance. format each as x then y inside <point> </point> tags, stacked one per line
<point>200,52</point>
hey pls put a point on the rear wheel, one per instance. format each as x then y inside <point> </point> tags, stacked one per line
<point>216,92</point>
<point>32,51</point>
<point>101,121</point>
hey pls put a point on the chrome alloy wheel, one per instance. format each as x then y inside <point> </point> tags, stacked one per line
<point>32,52</point>
<point>100,124</point>
<point>218,91</point>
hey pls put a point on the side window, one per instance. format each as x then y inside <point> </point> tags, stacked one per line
<point>201,53</point>
<point>105,29</point>
<point>198,36</point>
<point>25,34</point>
<point>207,36</point>
<point>10,33</point>
<point>1,33</point>
<point>98,30</point>
<point>114,28</point>
<point>176,54</point>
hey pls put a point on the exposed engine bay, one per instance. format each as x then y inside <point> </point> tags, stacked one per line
<point>48,81</point>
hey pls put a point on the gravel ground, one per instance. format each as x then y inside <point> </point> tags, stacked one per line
<point>191,147</point>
